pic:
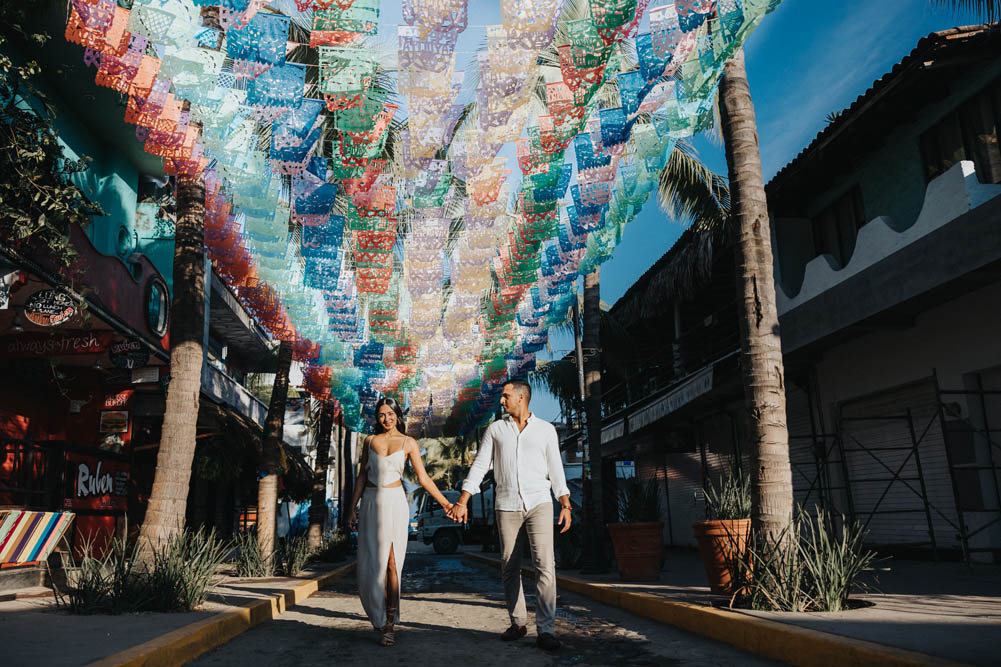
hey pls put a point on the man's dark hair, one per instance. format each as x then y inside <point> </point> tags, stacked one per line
<point>522,385</point>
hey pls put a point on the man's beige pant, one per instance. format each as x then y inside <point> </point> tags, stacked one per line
<point>535,525</point>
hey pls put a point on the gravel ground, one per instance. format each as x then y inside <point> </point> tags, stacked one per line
<point>452,613</point>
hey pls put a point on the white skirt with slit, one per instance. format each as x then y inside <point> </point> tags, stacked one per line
<point>383,522</point>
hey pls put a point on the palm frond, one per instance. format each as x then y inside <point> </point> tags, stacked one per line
<point>692,192</point>
<point>990,10</point>
<point>559,377</point>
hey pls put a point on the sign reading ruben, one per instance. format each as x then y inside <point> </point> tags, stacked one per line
<point>49,307</point>
<point>96,483</point>
<point>130,353</point>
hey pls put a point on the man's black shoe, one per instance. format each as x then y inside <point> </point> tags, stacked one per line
<point>514,632</point>
<point>547,642</point>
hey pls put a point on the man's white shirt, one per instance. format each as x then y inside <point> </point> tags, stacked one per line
<point>527,464</point>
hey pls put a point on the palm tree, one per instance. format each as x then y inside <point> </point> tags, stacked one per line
<point>267,485</point>
<point>318,505</point>
<point>686,188</point>
<point>168,500</point>
<point>989,9</point>
<point>760,341</point>
<point>594,505</point>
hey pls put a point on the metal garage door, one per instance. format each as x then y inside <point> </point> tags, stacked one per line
<point>895,462</point>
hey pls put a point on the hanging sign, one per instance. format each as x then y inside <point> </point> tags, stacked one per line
<point>29,344</point>
<point>119,400</point>
<point>49,307</point>
<point>130,353</point>
<point>96,483</point>
<point>114,421</point>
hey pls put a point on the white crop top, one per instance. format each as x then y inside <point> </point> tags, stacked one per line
<point>385,470</point>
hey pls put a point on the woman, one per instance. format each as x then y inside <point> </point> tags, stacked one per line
<point>385,515</point>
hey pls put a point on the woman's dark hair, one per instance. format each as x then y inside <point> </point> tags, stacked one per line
<point>401,425</point>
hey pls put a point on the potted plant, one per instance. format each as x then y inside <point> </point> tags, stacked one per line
<point>639,538</point>
<point>723,537</point>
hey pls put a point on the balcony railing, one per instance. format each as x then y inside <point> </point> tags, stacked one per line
<point>225,390</point>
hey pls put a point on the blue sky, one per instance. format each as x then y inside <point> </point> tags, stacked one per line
<point>807,58</point>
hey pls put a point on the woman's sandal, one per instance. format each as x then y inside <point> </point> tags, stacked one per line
<point>387,632</point>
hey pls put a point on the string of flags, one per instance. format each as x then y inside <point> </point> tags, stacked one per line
<point>379,225</point>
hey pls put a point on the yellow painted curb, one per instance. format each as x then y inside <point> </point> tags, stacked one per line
<point>189,642</point>
<point>771,639</point>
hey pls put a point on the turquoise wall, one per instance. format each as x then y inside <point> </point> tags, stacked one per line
<point>111,179</point>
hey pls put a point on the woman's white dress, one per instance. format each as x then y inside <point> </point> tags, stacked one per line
<point>383,523</point>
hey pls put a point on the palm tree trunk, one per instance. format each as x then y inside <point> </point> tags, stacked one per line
<point>760,341</point>
<point>267,486</point>
<point>318,505</point>
<point>591,344</point>
<point>167,502</point>
<point>347,468</point>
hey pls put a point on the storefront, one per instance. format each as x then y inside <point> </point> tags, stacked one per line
<point>77,369</point>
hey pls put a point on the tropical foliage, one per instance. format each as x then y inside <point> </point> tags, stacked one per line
<point>990,10</point>
<point>816,564</point>
<point>446,461</point>
<point>176,576</point>
<point>38,201</point>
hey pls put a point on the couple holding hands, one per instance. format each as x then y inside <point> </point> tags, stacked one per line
<point>524,451</point>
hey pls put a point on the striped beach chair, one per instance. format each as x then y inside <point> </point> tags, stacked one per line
<point>27,537</point>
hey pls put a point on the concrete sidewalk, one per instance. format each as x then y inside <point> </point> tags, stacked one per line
<point>939,611</point>
<point>37,632</point>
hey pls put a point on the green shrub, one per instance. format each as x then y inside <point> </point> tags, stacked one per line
<point>291,555</point>
<point>333,549</point>
<point>104,585</point>
<point>182,570</point>
<point>175,576</point>
<point>250,561</point>
<point>816,572</point>
<point>729,498</point>
<point>639,500</point>
<point>833,563</point>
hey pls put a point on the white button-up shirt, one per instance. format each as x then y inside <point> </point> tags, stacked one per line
<point>526,464</point>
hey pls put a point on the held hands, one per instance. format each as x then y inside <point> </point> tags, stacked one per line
<point>457,513</point>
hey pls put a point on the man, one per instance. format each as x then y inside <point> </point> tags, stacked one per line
<point>525,454</point>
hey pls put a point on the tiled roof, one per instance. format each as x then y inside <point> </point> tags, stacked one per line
<point>923,55</point>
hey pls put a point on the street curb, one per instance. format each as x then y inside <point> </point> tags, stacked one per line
<point>770,639</point>
<point>189,642</point>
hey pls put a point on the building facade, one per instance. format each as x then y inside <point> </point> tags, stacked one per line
<point>888,274</point>
<point>85,351</point>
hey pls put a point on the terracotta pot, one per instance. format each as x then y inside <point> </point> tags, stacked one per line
<point>639,549</point>
<point>720,543</point>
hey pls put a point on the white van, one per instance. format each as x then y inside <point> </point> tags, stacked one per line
<point>433,527</point>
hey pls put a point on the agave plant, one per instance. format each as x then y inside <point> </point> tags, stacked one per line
<point>639,501</point>
<point>729,498</point>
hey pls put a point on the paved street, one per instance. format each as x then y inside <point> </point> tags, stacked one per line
<point>451,614</point>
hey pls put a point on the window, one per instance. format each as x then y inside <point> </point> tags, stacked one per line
<point>835,227</point>
<point>970,132</point>
<point>157,308</point>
